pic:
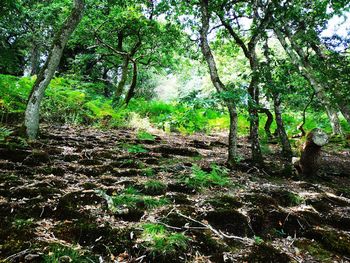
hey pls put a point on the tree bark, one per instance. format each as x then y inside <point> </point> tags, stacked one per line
<point>123,79</point>
<point>311,153</point>
<point>220,87</point>
<point>267,126</point>
<point>253,89</point>
<point>34,60</point>
<point>131,91</point>
<point>286,148</point>
<point>281,131</point>
<point>31,122</point>
<point>253,104</point>
<point>306,71</point>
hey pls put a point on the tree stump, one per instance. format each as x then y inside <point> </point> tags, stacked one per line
<point>311,153</point>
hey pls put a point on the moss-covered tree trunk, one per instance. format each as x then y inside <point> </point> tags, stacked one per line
<point>31,121</point>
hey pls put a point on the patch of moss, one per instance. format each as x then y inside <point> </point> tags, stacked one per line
<point>225,201</point>
<point>315,250</point>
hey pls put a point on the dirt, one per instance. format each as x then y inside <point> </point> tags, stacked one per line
<point>50,201</point>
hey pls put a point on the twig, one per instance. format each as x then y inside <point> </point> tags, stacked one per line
<point>168,226</point>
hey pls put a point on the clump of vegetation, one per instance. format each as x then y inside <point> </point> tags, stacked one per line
<point>143,135</point>
<point>218,176</point>
<point>59,253</point>
<point>158,241</point>
<point>4,133</point>
<point>131,198</point>
<point>154,187</point>
<point>22,223</point>
<point>136,149</point>
<point>149,172</point>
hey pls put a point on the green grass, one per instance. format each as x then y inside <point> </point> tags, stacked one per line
<point>59,253</point>
<point>132,199</point>
<point>158,241</point>
<point>218,176</point>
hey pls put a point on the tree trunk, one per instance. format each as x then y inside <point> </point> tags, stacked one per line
<point>232,141</point>
<point>306,71</point>
<point>31,122</point>
<point>220,87</point>
<point>253,104</point>
<point>281,131</point>
<point>311,153</point>
<point>132,88</point>
<point>34,60</point>
<point>286,148</point>
<point>123,79</point>
<point>267,126</point>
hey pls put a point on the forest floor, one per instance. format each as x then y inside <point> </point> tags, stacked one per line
<point>86,195</point>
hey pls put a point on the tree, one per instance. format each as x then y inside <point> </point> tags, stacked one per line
<point>47,72</point>
<point>226,12</point>
<point>218,84</point>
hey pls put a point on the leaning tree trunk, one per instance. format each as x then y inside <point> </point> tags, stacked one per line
<point>220,87</point>
<point>311,152</point>
<point>131,91</point>
<point>31,121</point>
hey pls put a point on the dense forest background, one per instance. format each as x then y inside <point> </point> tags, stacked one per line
<point>235,96</point>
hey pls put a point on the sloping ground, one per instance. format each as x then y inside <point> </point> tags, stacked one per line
<point>82,195</point>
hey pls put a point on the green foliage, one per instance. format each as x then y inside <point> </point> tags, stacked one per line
<point>59,253</point>
<point>4,133</point>
<point>160,242</point>
<point>218,176</point>
<point>143,135</point>
<point>131,198</point>
<point>75,102</point>
<point>136,149</point>
<point>258,240</point>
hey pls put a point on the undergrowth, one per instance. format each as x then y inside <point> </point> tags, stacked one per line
<point>158,241</point>
<point>131,198</point>
<point>70,101</point>
<point>218,176</point>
